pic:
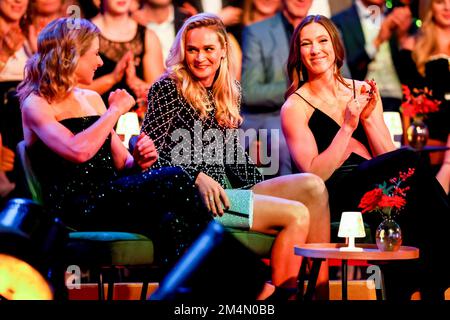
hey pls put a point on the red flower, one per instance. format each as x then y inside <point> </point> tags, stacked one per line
<point>387,198</point>
<point>419,102</point>
<point>392,201</point>
<point>370,200</point>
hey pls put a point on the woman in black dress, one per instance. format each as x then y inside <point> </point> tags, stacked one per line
<point>335,128</point>
<point>88,177</point>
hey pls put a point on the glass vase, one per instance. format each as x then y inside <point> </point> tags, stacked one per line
<point>388,235</point>
<point>417,133</point>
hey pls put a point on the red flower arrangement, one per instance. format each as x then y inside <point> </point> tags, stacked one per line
<point>418,102</point>
<point>385,198</point>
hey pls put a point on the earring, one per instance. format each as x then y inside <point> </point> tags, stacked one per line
<point>301,79</point>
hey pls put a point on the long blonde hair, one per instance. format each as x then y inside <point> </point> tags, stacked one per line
<point>225,89</point>
<point>426,40</point>
<point>49,73</point>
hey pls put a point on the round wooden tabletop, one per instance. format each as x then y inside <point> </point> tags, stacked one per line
<point>370,252</point>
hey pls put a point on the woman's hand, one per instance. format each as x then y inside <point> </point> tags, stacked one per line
<point>353,111</point>
<point>212,193</point>
<point>373,97</point>
<point>145,153</point>
<point>139,87</point>
<point>121,100</point>
<point>121,66</point>
<point>10,42</point>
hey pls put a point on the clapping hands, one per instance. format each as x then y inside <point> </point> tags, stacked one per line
<point>372,95</point>
<point>361,107</point>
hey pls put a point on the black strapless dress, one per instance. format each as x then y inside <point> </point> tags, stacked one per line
<point>161,203</point>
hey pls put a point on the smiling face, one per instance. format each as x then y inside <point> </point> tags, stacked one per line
<point>13,10</point>
<point>441,12</point>
<point>316,49</point>
<point>88,64</point>
<point>203,54</point>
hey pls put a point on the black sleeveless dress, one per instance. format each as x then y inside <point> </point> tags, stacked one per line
<point>424,220</point>
<point>161,203</point>
<point>112,51</point>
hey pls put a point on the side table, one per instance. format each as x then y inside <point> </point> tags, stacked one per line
<point>318,252</point>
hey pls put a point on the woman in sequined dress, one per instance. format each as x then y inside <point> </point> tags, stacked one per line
<point>199,98</point>
<point>87,176</point>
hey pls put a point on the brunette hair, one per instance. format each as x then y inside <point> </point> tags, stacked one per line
<point>296,70</point>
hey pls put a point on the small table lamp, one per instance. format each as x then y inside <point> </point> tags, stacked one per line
<point>351,227</point>
<point>128,126</point>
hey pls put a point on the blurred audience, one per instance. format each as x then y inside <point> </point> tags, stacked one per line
<point>257,10</point>
<point>371,37</point>
<point>131,53</point>
<point>425,62</point>
<point>164,18</point>
<point>14,52</point>
<point>40,14</point>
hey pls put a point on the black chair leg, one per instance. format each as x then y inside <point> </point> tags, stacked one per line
<point>144,290</point>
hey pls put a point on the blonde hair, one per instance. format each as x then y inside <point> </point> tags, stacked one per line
<point>225,89</point>
<point>49,73</point>
<point>426,40</point>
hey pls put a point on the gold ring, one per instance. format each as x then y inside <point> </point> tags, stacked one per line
<point>211,197</point>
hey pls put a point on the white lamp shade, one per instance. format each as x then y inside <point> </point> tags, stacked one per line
<point>393,121</point>
<point>351,225</point>
<point>128,126</point>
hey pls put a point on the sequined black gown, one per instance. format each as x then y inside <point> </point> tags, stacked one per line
<point>177,129</point>
<point>425,218</point>
<point>161,203</point>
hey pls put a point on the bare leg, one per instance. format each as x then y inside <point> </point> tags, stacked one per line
<point>311,191</point>
<point>289,220</point>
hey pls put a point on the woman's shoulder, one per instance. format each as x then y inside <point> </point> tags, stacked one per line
<point>164,84</point>
<point>294,104</point>
<point>94,99</point>
<point>33,100</point>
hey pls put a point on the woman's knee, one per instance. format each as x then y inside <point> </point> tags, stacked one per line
<point>314,186</point>
<point>297,215</point>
